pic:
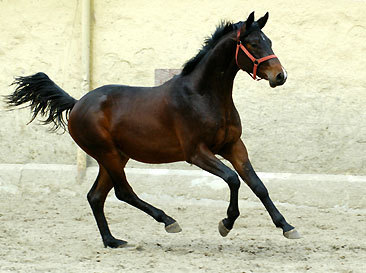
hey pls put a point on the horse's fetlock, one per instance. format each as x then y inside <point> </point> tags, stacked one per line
<point>160,216</point>
<point>233,213</point>
<point>279,221</point>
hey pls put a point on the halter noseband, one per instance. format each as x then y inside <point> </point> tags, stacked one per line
<point>256,62</point>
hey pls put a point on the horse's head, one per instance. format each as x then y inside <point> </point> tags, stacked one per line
<point>254,52</point>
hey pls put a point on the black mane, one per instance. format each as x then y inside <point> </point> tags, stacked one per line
<point>223,28</point>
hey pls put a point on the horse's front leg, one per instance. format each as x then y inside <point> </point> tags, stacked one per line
<point>237,154</point>
<point>207,161</point>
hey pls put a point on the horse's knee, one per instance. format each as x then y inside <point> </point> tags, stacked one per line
<point>233,181</point>
<point>261,191</point>
<point>95,199</point>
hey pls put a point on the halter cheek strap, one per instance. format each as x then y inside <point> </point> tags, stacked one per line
<point>256,62</point>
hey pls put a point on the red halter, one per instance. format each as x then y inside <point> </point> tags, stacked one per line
<point>256,62</point>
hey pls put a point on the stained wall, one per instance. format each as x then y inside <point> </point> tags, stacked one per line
<point>315,123</point>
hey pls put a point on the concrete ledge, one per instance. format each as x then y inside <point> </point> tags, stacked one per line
<point>314,190</point>
<point>17,169</point>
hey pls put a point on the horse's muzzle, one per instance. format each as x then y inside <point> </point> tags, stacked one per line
<point>279,79</point>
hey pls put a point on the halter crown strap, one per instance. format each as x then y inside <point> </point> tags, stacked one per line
<point>256,62</point>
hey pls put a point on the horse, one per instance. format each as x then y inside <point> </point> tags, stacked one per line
<point>191,117</point>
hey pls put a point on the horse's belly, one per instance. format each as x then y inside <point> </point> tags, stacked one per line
<point>153,154</point>
<point>150,146</point>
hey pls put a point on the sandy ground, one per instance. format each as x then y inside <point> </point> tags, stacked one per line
<point>50,228</point>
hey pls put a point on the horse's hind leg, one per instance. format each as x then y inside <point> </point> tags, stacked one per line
<point>124,192</point>
<point>96,197</point>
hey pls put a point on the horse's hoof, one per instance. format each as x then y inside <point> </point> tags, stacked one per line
<point>115,243</point>
<point>292,234</point>
<point>173,228</point>
<point>222,229</point>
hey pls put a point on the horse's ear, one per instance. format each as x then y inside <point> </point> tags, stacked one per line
<point>250,20</point>
<point>262,21</point>
<point>247,23</point>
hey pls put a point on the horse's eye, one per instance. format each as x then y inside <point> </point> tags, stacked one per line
<point>254,45</point>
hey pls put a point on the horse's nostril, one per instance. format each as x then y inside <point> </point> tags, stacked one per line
<point>280,77</point>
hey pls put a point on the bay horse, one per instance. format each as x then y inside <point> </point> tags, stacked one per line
<point>191,118</point>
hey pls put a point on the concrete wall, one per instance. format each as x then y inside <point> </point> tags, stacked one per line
<point>315,123</point>
<point>37,36</point>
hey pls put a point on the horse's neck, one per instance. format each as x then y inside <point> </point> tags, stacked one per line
<point>216,72</point>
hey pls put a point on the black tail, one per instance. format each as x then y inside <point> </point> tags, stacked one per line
<point>44,97</point>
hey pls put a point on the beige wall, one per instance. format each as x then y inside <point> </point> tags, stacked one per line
<point>37,36</point>
<point>315,123</point>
